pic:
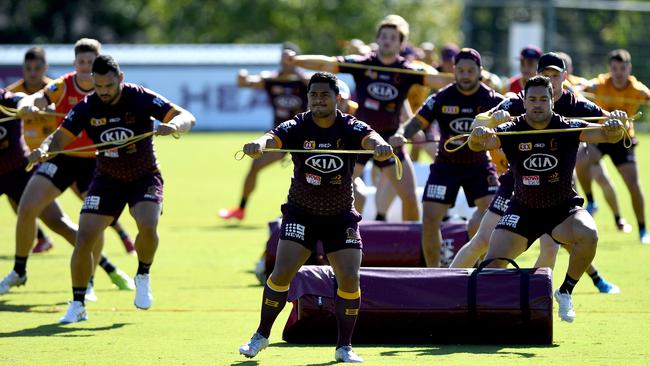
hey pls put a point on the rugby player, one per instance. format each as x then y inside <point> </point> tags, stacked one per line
<point>319,207</point>
<point>55,176</point>
<point>618,89</point>
<point>286,90</point>
<point>565,104</point>
<point>381,95</point>
<point>454,108</point>
<point>527,65</point>
<point>128,174</point>
<point>544,199</point>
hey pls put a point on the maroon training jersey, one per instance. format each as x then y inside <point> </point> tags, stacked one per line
<point>13,149</point>
<point>132,115</point>
<point>455,112</point>
<point>380,94</point>
<point>287,95</point>
<point>542,164</point>
<point>322,183</point>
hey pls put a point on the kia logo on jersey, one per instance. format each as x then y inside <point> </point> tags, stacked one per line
<point>287,101</point>
<point>382,91</point>
<point>540,162</point>
<point>115,134</point>
<point>325,163</point>
<point>461,125</point>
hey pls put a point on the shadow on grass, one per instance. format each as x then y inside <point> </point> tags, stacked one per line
<point>245,363</point>
<point>47,330</point>
<point>527,350</point>
<point>29,308</point>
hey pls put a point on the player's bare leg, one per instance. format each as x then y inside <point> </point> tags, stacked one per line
<point>405,189</point>
<point>481,207</point>
<point>38,194</point>
<point>146,215</point>
<point>472,251</point>
<point>384,197</point>
<point>585,159</point>
<point>433,213</point>
<point>630,176</point>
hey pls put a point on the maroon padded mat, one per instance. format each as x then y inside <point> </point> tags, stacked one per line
<point>428,305</point>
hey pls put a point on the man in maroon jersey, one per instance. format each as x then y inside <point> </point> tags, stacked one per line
<point>128,173</point>
<point>544,199</point>
<point>381,95</point>
<point>319,207</point>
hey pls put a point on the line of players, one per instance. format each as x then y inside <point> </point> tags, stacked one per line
<point>536,198</point>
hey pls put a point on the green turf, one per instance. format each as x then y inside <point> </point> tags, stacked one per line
<point>207,300</point>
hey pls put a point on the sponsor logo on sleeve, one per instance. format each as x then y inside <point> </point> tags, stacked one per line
<point>382,91</point>
<point>530,180</point>
<point>158,101</point>
<point>116,134</point>
<point>525,146</point>
<point>430,102</point>
<point>313,179</point>
<point>309,145</point>
<point>450,109</point>
<point>325,163</point>
<point>286,125</point>
<point>540,162</point>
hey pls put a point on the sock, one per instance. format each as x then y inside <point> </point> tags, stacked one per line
<point>273,301</point>
<point>380,217</point>
<point>79,294</point>
<point>242,203</point>
<point>595,277</point>
<point>590,197</point>
<point>347,311</point>
<point>20,264</point>
<point>641,227</point>
<point>617,218</point>
<point>122,233</point>
<point>40,235</point>
<point>143,268</point>
<point>568,285</point>
<point>106,265</point>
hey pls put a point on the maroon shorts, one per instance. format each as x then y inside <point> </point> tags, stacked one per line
<point>13,183</point>
<point>107,196</point>
<point>618,152</point>
<point>335,232</point>
<point>532,223</point>
<point>446,179</point>
<point>399,152</point>
<point>501,199</point>
<point>64,170</point>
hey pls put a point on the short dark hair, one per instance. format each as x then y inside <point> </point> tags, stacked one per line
<point>87,45</point>
<point>35,53</point>
<point>325,77</point>
<point>539,80</point>
<point>620,55</point>
<point>104,64</point>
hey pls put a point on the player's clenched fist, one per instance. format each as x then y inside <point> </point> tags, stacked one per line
<point>253,149</point>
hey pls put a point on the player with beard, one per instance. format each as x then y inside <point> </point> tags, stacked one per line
<point>381,95</point>
<point>454,108</point>
<point>127,174</point>
<point>544,199</point>
<point>565,104</point>
<point>53,177</point>
<point>319,207</point>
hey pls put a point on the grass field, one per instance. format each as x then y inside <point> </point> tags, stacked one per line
<point>207,299</point>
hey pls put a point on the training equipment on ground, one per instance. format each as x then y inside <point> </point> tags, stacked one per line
<point>427,305</point>
<point>385,244</point>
